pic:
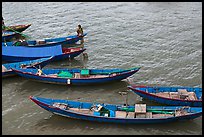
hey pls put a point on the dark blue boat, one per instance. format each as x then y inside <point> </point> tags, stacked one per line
<point>38,63</point>
<point>8,35</point>
<point>77,76</point>
<point>23,53</point>
<point>71,39</point>
<point>183,96</point>
<point>101,112</point>
<point>46,42</point>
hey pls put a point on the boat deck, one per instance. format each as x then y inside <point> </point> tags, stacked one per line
<point>125,114</point>
<point>177,95</point>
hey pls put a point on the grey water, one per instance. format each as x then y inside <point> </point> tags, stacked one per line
<point>164,38</point>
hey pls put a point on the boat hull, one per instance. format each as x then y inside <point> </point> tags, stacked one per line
<point>38,63</point>
<point>166,100</point>
<point>47,105</point>
<point>76,81</point>
<point>22,53</point>
<point>47,42</point>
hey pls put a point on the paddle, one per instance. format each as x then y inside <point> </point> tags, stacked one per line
<point>17,32</point>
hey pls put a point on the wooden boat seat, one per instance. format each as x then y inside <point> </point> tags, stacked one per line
<point>161,115</point>
<point>98,76</point>
<point>83,111</point>
<point>77,75</point>
<point>163,94</point>
<point>140,108</point>
<point>40,42</point>
<point>124,114</point>
<point>140,115</point>
<point>149,115</point>
<point>184,94</point>
<point>140,111</point>
<point>174,95</point>
<point>131,115</point>
<point>60,105</point>
<point>120,114</point>
<point>191,96</point>
<point>180,112</point>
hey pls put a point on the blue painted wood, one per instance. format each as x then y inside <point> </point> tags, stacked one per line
<point>145,92</point>
<point>72,39</point>
<point>23,53</point>
<point>47,104</point>
<point>107,75</point>
<point>29,64</point>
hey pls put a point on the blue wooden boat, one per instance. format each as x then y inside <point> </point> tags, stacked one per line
<point>183,96</point>
<point>23,53</point>
<point>72,39</point>
<point>38,63</point>
<point>77,76</point>
<point>112,113</point>
<point>8,35</point>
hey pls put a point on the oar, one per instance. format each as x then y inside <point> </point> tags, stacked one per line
<point>17,32</point>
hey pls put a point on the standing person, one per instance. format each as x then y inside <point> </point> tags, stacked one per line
<point>80,33</point>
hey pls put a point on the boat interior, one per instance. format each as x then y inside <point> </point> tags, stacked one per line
<point>83,73</point>
<point>180,94</point>
<point>140,111</point>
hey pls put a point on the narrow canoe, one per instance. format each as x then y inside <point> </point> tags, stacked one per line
<point>77,76</point>
<point>183,96</point>
<point>72,39</point>
<point>18,28</point>
<point>23,53</point>
<point>112,113</point>
<point>38,63</point>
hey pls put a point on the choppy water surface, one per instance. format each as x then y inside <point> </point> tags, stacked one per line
<point>164,38</point>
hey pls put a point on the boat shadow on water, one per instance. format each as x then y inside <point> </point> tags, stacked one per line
<point>55,88</point>
<point>86,92</point>
<point>55,122</point>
